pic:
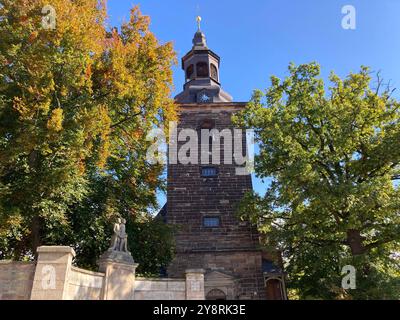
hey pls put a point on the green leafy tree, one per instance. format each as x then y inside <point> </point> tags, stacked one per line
<point>76,105</point>
<point>150,241</point>
<point>333,158</point>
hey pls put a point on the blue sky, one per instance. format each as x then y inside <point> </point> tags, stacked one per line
<point>258,38</point>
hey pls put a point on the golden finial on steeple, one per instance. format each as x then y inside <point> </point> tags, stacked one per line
<point>198,21</point>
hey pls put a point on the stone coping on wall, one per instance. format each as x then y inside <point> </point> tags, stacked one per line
<point>89,272</point>
<point>18,262</point>
<point>56,249</point>
<point>198,270</point>
<point>160,279</point>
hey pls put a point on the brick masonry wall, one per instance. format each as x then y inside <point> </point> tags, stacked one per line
<point>232,247</point>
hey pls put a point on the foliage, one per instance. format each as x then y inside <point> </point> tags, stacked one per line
<point>76,104</point>
<point>334,159</point>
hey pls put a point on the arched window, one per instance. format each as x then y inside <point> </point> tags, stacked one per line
<point>216,294</point>
<point>214,72</point>
<point>189,72</point>
<point>202,69</point>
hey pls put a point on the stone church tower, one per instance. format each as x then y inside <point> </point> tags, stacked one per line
<point>201,197</point>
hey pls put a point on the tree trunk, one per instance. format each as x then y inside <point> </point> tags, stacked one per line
<point>35,235</point>
<point>355,241</point>
<point>33,161</point>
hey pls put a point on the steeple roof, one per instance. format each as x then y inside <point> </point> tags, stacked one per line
<point>201,66</point>
<point>199,41</point>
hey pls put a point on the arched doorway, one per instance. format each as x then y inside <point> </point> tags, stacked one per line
<point>274,289</point>
<point>216,294</point>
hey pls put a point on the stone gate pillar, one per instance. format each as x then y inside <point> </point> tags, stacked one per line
<point>52,270</point>
<point>195,284</point>
<point>119,269</point>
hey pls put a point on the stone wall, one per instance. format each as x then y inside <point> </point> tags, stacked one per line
<point>160,289</point>
<point>84,284</point>
<point>233,246</point>
<point>246,281</point>
<point>190,288</point>
<point>16,280</point>
<point>53,277</point>
<point>192,197</point>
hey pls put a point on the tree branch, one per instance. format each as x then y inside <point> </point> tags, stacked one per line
<point>125,119</point>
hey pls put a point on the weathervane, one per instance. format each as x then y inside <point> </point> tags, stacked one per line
<point>198,21</point>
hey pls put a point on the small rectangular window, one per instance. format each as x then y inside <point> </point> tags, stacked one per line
<point>208,172</point>
<point>211,222</point>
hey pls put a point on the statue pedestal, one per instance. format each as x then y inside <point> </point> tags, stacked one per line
<point>119,268</point>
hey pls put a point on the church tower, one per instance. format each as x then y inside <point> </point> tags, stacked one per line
<point>202,195</point>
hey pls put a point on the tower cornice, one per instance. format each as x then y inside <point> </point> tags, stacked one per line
<point>212,107</point>
<point>199,51</point>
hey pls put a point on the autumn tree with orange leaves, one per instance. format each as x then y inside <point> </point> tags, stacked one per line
<point>76,104</point>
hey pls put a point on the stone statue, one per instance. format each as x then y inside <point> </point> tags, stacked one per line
<point>123,237</point>
<point>114,238</point>
<point>119,240</point>
<point>118,250</point>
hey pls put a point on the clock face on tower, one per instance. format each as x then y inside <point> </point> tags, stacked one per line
<point>203,97</point>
